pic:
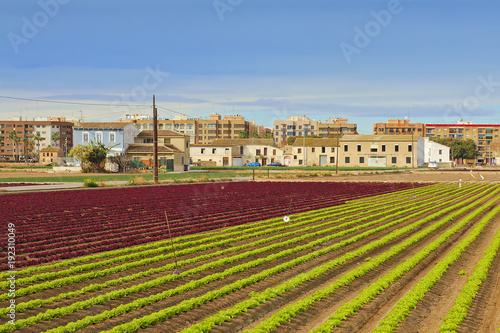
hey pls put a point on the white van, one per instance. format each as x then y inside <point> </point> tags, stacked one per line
<point>433,165</point>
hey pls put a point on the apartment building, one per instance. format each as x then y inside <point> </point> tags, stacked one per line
<point>398,127</point>
<point>484,135</point>
<point>297,125</point>
<point>300,125</point>
<point>203,131</point>
<point>333,127</point>
<point>27,129</point>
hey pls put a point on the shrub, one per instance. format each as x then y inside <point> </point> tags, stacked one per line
<point>90,183</point>
<point>139,181</point>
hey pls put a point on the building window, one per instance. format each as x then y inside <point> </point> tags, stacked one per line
<point>323,149</point>
<point>274,152</point>
<point>332,159</point>
<point>346,148</point>
<point>359,148</point>
<point>409,148</point>
<point>440,152</point>
<point>394,160</point>
<point>299,150</point>
<point>361,160</point>
<point>226,151</point>
<point>85,137</point>
<point>300,162</point>
<point>408,160</point>
<point>373,150</point>
<point>112,137</point>
<point>203,150</point>
<point>98,136</point>
<point>396,148</point>
<point>257,152</point>
<point>214,150</point>
<point>313,149</point>
<point>333,150</point>
<point>383,148</point>
<point>347,159</point>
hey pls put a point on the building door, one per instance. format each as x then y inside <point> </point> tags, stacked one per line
<point>377,161</point>
<point>237,161</point>
<point>225,161</point>
<point>322,159</point>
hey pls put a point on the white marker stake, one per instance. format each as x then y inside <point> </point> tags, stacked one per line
<point>460,183</point>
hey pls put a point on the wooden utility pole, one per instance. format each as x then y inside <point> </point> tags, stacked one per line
<point>337,148</point>
<point>155,142</point>
<point>412,149</point>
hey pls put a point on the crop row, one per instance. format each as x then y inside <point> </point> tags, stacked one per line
<point>232,198</point>
<point>458,312</point>
<point>404,306</point>
<point>31,304</point>
<point>186,305</point>
<point>292,310</point>
<point>229,232</point>
<point>51,313</point>
<point>230,237</point>
<point>381,284</point>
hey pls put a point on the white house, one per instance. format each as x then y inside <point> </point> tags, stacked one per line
<point>436,152</point>
<point>237,152</point>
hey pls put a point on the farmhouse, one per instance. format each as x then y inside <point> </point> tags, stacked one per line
<point>116,135</point>
<point>237,152</point>
<point>357,151</point>
<point>50,155</point>
<point>173,150</point>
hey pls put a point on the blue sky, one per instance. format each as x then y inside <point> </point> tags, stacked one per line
<point>432,61</point>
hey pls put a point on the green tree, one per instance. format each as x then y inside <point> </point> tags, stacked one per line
<point>269,136</point>
<point>38,138</point>
<point>15,139</point>
<point>56,137</point>
<point>91,156</point>
<point>255,135</point>
<point>28,144</point>
<point>459,148</point>
<point>243,135</point>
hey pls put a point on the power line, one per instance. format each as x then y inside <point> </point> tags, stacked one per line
<point>172,111</point>
<point>92,104</point>
<point>67,102</point>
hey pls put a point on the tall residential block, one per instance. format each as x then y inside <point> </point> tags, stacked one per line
<point>27,128</point>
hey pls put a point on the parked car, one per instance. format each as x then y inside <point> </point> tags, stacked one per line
<point>433,165</point>
<point>275,164</point>
<point>253,164</point>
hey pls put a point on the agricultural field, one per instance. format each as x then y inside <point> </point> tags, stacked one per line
<point>255,257</point>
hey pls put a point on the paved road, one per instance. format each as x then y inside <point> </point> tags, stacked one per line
<point>63,186</point>
<point>41,187</point>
